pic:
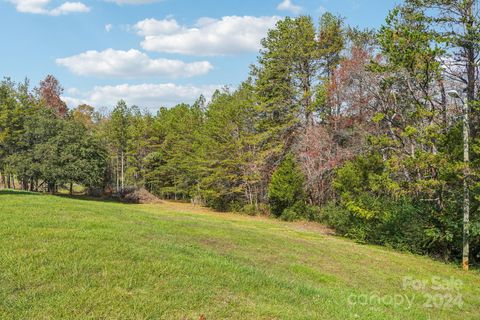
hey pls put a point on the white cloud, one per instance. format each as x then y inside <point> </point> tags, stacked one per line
<point>40,7</point>
<point>108,27</point>
<point>133,2</point>
<point>31,6</point>
<point>208,37</point>
<point>288,5</point>
<point>146,95</point>
<point>69,7</point>
<point>152,27</point>
<point>130,64</point>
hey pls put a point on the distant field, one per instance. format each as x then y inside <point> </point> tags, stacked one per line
<point>64,258</point>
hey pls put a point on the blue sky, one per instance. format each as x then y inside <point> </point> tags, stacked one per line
<point>151,53</point>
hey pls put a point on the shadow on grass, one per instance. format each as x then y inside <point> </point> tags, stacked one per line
<point>91,198</point>
<point>18,192</point>
<point>65,196</point>
<point>82,197</point>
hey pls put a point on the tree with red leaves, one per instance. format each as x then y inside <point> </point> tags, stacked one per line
<point>49,93</point>
<point>340,134</point>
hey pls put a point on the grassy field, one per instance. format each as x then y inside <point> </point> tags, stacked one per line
<point>64,258</point>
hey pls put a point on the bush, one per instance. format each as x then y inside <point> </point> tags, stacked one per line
<point>301,211</point>
<point>336,217</point>
<point>250,209</point>
<point>373,207</point>
<point>255,210</point>
<point>290,215</point>
<point>399,224</point>
<point>221,202</point>
<point>312,213</point>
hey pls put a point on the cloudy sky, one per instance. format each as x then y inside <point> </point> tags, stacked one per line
<point>150,52</point>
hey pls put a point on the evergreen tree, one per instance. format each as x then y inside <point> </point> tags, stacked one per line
<point>176,129</point>
<point>229,151</point>
<point>286,188</point>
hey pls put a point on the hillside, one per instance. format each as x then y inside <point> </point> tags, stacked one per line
<point>64,258</point>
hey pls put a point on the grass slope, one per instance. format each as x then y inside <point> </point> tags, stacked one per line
<point>66,258</point>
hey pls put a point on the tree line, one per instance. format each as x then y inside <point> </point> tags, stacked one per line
<point>360,129</point>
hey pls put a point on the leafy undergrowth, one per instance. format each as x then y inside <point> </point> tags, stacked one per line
<point>64,258</point>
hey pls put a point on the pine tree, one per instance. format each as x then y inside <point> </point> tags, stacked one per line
<point>286,187</point>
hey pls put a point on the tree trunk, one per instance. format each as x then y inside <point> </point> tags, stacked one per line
<point>443,103</point>
<point>466,193</point>
<point>470,55</point>
<point>123,173</point>
<point>2,175</point>
<point>117,179</point>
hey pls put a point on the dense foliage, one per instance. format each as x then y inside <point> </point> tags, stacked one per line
<point>43,147</point>
<point>286,190</point>
<point>352,127</point>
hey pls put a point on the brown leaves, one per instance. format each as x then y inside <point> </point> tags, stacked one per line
<point>49,92</point>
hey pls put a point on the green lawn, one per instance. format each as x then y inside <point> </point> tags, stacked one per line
<point>64,258</point>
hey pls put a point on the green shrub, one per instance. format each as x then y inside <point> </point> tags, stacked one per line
<point>312,213</point>
<point>337,217</point>
<point>290,215</point>
<point>250,209</point>
<point>399,224</point>
<point>374,207</point>
<point>301,211</point>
